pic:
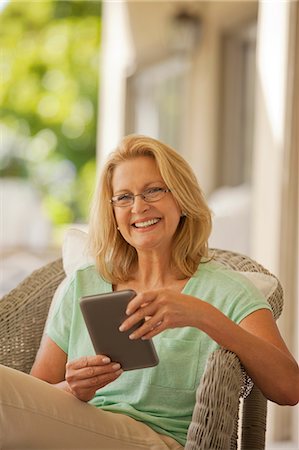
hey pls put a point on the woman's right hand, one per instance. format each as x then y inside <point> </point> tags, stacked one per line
<point>86,375</point>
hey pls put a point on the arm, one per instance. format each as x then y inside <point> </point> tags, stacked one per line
<point>50,363</point>
<point>82,377</point>
<point>256,341</point>
<point>262,351</point>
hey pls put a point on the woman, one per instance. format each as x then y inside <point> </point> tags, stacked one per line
<point>149,230</point>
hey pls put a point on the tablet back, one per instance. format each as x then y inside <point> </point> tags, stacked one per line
<point>103,314</point>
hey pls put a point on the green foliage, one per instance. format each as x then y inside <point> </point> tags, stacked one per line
<point>48,98</point>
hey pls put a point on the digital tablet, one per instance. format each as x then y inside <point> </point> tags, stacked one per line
<point>103,314</point>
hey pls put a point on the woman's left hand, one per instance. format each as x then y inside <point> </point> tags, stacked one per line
<point>161,309</point>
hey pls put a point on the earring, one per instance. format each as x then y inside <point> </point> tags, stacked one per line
<point>183,214</point>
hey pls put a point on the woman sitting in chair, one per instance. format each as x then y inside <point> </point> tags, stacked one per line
<point>149,231</point>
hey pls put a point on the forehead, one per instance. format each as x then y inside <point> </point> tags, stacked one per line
<point>137,172</point>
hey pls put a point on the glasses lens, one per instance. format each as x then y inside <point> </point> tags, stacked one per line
<point>149,195</point>
<point>123,200</point>
<point>153,194</point>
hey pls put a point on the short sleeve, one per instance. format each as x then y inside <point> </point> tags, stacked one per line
<point>245,300</point>
<point>228,290</point>
<point>59,321</point>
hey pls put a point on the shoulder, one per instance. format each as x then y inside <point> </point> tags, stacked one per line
<point>229,290</point>
<point>217,273</point>
<point>87,270</point>
<point>216,279</point>
<point>86,280</point>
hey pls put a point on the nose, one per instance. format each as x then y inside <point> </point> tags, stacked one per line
<point>139,205</point>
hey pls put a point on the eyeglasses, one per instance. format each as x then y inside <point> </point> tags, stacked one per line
<point>150,195</point>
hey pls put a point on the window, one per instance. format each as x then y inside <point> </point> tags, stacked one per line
<point>237,107</point>
<point>231,201</point>
<point>157,101</point>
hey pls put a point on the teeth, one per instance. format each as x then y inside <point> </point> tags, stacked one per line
<point>147,223</point>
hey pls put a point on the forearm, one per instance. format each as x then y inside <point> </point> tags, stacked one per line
<point>274,372</point>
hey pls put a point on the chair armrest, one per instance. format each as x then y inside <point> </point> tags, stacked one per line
<point>23,312</point>
<point>254,421</point>
<point>215,416</point>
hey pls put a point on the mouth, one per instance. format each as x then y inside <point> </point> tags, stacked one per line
<point>146,223</point>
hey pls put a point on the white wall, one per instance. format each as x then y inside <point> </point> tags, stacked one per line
<point>275,208</point>
<point>116,58</point>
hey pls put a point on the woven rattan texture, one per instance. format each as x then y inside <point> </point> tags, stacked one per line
<point>217,404</point>
<point>254,421</point>
<point>243,263</point>
<point>214,423</point>
<point>23,313</point>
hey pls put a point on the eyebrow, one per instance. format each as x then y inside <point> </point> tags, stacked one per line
<point>146,186</point>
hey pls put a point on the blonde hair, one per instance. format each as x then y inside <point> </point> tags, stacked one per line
<point>114,257</point>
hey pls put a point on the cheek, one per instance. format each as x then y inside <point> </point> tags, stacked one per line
<point>120,216</point>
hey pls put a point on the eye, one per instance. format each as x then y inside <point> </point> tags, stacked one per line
<point>154,190</point>
<point>123,197</point>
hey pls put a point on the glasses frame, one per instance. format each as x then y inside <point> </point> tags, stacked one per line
<point>143,195</point>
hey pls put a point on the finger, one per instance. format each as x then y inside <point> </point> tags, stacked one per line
<point>85,390</point>
<point>89,361</point>
<point>140,300</point>
<point>149,326</point>
<point>96,381</point>
<point>93,371</point>
<point>156,330</point>
<point>143,313</point>
<point>78,379</point>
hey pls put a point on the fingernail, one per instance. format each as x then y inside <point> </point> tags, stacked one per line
<point>121,328</point>
<point>106,360</point>
<point>132,336</point>
<point>128,311</point>
<point>116,366</point>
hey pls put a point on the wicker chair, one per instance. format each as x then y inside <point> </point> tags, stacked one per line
<point>215,419</point>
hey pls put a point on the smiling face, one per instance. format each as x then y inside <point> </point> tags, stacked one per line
<point>145,226</point>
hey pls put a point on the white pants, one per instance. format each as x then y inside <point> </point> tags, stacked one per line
<point>36,415</point>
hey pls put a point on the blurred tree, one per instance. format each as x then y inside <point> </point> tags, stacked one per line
<point>48,97</point>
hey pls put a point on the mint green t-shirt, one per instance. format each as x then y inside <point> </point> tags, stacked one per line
<point>162,397</point>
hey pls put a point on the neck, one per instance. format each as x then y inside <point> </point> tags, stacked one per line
<point>154,271</point>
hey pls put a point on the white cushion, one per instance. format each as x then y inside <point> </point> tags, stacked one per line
<point>75,251</point>
<point>263,282</point>
<point>74,255</point>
